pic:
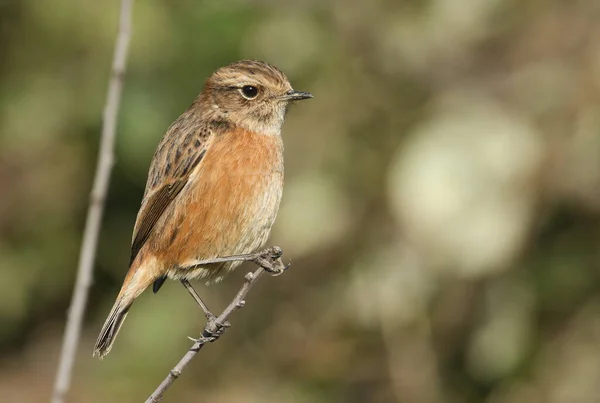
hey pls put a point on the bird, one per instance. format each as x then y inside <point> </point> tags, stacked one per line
<point>214,187</point>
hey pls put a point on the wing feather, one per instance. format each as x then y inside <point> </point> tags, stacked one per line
<point>155,207</point>
<point>179,152</point>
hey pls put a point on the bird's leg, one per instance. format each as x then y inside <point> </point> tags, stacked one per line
<point>269,259</point>
<point>235,258</point>
<point>210,317</point>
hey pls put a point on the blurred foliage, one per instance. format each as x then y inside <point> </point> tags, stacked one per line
<point>441,209</point>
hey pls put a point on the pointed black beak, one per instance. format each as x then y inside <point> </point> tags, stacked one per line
<point>294,95</point>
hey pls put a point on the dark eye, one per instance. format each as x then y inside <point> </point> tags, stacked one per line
<point>249,91</point>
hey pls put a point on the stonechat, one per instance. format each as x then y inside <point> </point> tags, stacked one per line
<point>214,186</point>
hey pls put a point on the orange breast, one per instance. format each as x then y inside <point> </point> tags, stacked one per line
<point>230,203</point>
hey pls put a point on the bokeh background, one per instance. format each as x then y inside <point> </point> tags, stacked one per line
<point>441,208</point>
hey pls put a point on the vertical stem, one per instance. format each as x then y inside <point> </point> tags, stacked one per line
<point>96,207</point>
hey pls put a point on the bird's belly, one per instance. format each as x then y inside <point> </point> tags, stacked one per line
<point>242,226</point>
<point>249,219</point>
<point>231,217</point>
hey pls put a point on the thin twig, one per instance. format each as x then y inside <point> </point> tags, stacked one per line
<point>216,326</point>
<point>96,207</point>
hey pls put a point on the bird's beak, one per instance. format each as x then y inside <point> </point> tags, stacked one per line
<point>294,95</point>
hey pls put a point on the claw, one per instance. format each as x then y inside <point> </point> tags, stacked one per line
<point>276,271</point>
<point>270,260</point>
<point>271,265</point>
<point>203,340</point>
<point>278,268</point>
<point>219,329</point>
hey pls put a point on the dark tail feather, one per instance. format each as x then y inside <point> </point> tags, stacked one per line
<point>111,327</point>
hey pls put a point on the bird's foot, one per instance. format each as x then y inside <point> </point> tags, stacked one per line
<point>212,331</point>
<point>270,260</point>
<point>211,323</point>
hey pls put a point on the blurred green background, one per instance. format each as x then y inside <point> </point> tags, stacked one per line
<point>441,207</point>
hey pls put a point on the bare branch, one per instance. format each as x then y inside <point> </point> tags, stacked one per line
<point>96,207</point>
<point>269,261</point>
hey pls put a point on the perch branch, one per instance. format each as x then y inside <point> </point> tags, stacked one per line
<point>269,261</point>
<point>96,207</point>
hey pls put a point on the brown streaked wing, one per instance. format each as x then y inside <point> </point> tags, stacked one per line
<point>155,207</point>
<point>185,155</point>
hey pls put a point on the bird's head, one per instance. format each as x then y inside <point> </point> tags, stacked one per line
<point>251,94</point>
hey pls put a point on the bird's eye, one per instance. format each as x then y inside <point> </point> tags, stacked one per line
<point>249,91</point>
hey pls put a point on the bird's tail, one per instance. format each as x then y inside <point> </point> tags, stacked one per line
<point>111,327</point>
<point>135,283</point>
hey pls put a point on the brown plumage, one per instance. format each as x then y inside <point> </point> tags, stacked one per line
<point>214,185</point>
